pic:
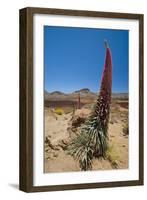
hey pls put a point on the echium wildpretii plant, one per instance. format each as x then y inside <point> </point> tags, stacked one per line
<point>92,141</point>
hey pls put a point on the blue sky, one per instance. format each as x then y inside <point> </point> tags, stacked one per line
<point>74,58</point>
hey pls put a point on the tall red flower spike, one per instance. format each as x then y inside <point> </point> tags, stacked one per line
<point>104,99</point>
<point>92,141</point>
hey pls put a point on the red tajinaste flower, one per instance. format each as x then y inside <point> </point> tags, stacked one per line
<point>92,140</point>
<point>102,109</point>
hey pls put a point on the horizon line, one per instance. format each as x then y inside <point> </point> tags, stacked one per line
<point>113,92</point>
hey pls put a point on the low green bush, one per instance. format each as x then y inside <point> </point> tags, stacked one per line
<point>59,111</point>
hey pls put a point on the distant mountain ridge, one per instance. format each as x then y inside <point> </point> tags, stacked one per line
<point>57,93</point>
<point>84,93</point>
<point>85,90</point>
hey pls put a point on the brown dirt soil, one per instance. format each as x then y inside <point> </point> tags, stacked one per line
<point>58,135</point>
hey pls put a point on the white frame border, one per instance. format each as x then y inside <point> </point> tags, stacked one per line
<point>40,178</point>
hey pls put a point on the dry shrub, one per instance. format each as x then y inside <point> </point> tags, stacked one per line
<point>59,111</point>
<point>126,128</point>
<point>112,156</point>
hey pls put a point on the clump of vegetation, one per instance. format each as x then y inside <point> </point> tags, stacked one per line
<point>92,140</point>
<point>112,156</point>
<point>126,128</point>
<point>59,111</point>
